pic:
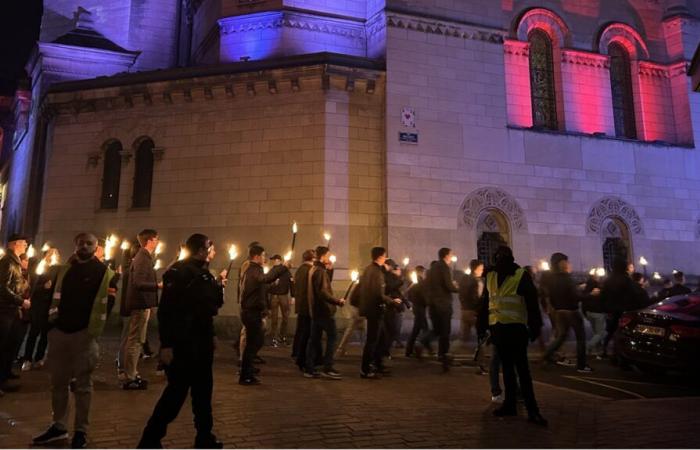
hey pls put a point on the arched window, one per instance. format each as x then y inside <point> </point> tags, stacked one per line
<point>143,177</point>
<point>544,103</point>
<point>492,231</point>
<point>621,85</point>
<point>617,243</point>
<point>111,175</point>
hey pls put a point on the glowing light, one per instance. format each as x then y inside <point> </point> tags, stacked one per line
<point>45,248</point>
<point>327,236</point>
<point>643,261</point>
<point>544,265</point>
<point>468,271</point>
<point>159,248</point>
<point>354,276</point>
<point>158,265</point>
<point>675,271</point>
<point>454,259</point>
<point>295,228</point>
<point>266,269</point>
<point>31,252</point>
<point>54,259</point>
<point>414,277</point>
<point>183,254</point>
<point>125,245</point>
<point>110,245</point>
<point>600,272</point>
<point>333,259</point>
<point>232,252</point>
<point>591,272</point>
<point>288,256</point>
<point>656,276</point>
<point>406,261</point>
<point>2,252</point>
<point>41,267</point>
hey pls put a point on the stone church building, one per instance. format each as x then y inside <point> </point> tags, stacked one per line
<point>549,125</point>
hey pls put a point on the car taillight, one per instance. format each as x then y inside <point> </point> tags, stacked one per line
<point>685,332</point>
<point>624,321</point>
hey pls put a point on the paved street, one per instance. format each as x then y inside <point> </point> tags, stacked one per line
<point>416,407</point>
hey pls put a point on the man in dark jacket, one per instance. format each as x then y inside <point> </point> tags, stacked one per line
<point>416,298</point>
<point>391,327</point>
<point>471,291</point>
<point>13,296</point>
<point>513,314</point>
<point>191,298</point>
<point>679,287</point>
<point>142,295</point>
<point>561,291</point>
<point>440,287</point>
<point>253,307</point>
<point>301,307</point>
<point>372,302</point>
<point>279,303</point>
<point>322,306</point>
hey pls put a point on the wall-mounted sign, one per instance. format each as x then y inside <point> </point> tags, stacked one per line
<point>409,138</point>
<point>408,117</point>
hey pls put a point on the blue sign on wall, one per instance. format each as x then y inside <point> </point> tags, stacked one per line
<point>410,138</point>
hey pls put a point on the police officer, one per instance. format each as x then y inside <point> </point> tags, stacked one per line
<point>513,315</point>
<point>190,300</point>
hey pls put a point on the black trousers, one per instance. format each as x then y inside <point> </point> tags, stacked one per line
<point>320,325</point>
<point>420,323</point>
<point>190,371</point>
<point>38,330</point>
<point>511,341</point>
<point>442,327</point>
<point>8,351</point>
<point>372,351</point>
<point>255,339</point>
<point>301,340</point>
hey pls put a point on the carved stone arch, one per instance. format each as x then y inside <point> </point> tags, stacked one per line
<point>547,21</point>
<point>492,198</point>
<point>613,207</point>
<point>624,35</point>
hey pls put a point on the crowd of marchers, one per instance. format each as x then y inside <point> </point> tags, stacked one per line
<point>56,313</point>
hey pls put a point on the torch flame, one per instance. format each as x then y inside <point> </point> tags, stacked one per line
<point>414,277</point>
<point>125,245</point>
<point>600,272</point>
<point>544,265</point>
<point>406,261</point>
<point>288,256</point>
<point>232,252</point>
<point>591,272</point>
<point>643,261</point>
<point>184,253</point>
<point>45,248</point>
<point>327,236</point>
<point>354,276</point>
<point>54,259</point>
<point>31,252</point>
<point>159,264</point>
<point>2,251</point>
<point>454,259</point>
<point>295,228</point>
<point>266,269</point>
<point>159,248</point>
<point>333,259</point>
<point>41,267</point>
<point>656,276</point>
<point>468,271</point>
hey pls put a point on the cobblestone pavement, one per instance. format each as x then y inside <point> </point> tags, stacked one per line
<point>417,407</point>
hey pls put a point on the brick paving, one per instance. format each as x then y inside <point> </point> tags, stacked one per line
<point>415,408</point>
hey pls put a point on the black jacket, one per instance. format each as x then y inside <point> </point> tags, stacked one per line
<point>440,286</point>
<point>301,289</point>
<point>372,292</point>
<point>561,291</point>
<point>620,293</point>
<point>190,300</point>
<point>13,286</point>
<point>255,281</point>
<point>678,289</point>
<point>283,285</point>
<point>416,295</point>
<point>394,283</point>
<point>471,290</point>
<point>142,290</point>
<point>322,299</point>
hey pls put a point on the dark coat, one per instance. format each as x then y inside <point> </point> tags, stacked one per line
<point>283,285</point>
<point>301,289</point>
<point>191,298</point>
<point>440,286</point>
<point>254,282</point>
<point>13,286</point>
<point>471,289</point>
<point>561,291</point>
<point>322,299</point>
<point>142,290</point>
<point>620,293</point>
<point>372,292</point>
<point>416,295</point>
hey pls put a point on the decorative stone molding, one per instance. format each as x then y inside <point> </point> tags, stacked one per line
<point>375,25</point>
<point>444,28</point>
<point>651,69</point>
<point>516,48</point>
<point>126,156</point>
<point>547,21</point>
<point>625,35</point>
<point>613,207</point>
<point>492,198</point>
<point>585,59</point>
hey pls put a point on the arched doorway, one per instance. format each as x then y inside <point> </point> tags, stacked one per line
<point>492,231</point>
<point>616,241</point>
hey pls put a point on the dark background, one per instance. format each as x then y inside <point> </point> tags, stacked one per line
<point>20,22</point>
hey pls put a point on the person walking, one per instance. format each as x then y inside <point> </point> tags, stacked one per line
<point>372,302</point>
<point>253,306</point>
<point>78,309</point>
<point>280,304</point>
<point>13,297</point>
<point>441,287</point>
<point>192,296</point>
<point>471,290</point>
<point>142,295</point>
<point>594,312</point>
<point>416,298</point>
<point>513,316</point>
<point>679,287</point>
<point>322,306</point>
<point>391,326</point>
<point>301,306</point>
<point>565,298</point>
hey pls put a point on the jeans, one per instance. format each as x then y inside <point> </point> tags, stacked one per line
<point>72,356</point>
<point>279,303</point>
<point>511,342</point>
<point>565,320</point>
<point>138,321</point>
<point>255,338</point>
<point>357,323</point>
<point>372,352</point>
<point>190,371</point>
<point>420,323</point>
<point>598,325</point>
<point>320,325</point>
<point>442,327</point>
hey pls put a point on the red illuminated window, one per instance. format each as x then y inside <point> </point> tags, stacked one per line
<point>622,97</point>
<point>544,105</point>
<point>111,175</point>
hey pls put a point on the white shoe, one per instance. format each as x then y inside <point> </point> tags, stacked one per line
<point>26,366</point>
<point>497,398</point>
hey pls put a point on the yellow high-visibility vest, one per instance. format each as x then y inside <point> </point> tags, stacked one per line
<point>505,305</point>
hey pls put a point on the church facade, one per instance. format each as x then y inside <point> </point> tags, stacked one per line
<point>546,125</point>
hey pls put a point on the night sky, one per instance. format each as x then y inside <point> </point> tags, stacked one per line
<point>20,21</point>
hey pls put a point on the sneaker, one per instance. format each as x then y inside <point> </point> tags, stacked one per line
<point>53,434</point>
<point>26,366</point>
<point>208,442</point>
<point>79,440</point>
<point>497,398</point>
<point>566,363</point>
<point>585,369</point>
<point>275,343</point>
<point>314,374</point>
<point>139,384</point>
<point>332,374</point>
<point>369,375</point>
<point>252,381</point>
<point>537,419</point>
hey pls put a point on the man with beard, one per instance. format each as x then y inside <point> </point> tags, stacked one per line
<point>191,298</point>
<point>513,315</point>
<point>78,310</point>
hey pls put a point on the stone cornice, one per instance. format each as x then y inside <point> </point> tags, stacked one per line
<point>516,48</point>
<point>452,29</point>
<point>583,58</point>
<point>652,69</point>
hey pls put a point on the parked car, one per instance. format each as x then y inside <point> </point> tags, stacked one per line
<point>666,335</point>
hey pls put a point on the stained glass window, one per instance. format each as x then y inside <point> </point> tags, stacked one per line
<point>622,97</point>
<point>111,175</point>
<point>544,105</point>
<point>143,177</point>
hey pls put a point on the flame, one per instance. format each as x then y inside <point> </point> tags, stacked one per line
<point>414,277</point>
<point>406,261</point>
<point>266,269</point>
<point>45,248</point>
<point>454,259</point>
<point>468,271</point>
<point>54,259</point>
<point>41,267</point>
<point>656,276</point>
<point>232,252</point>
<point>600,272</point>
<point>327,236</point>
<point>125,245</point>
<point>675,271</point>
<point>288,256</point>
<point>643,261</point>
<point>110,245</point>
<point>158,265</point>
<point>544,265</point>
<point>295,228</point>
<point>2,251</point>
<point>183,254</point>
<point>354,276</point>
<point>333,259</point>
<point>591,272</point>
<point>31,252</point>
<point>159,248</point>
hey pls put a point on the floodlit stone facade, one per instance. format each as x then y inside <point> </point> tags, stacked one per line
<point>401,123</point>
